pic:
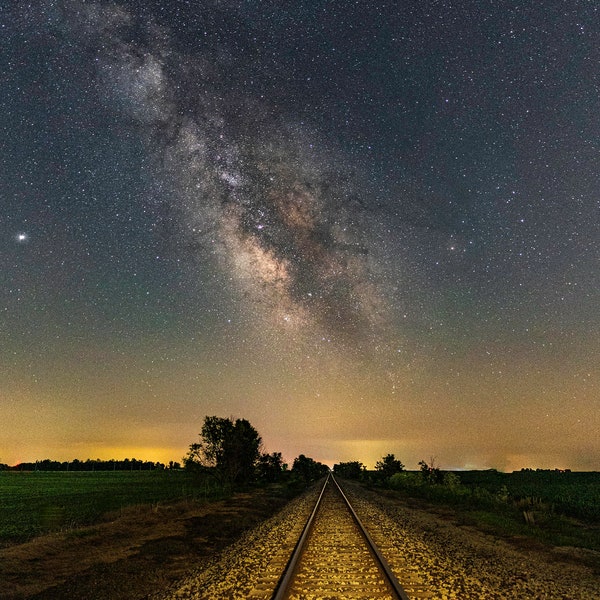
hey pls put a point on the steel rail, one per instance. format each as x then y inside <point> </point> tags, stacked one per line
<point>290,568</point>
<point>385,567</point>
<point>282,586</point>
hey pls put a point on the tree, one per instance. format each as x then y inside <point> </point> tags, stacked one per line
<point>430,471</point>
<point>308,469</point>
<point>230,447</point>
<point>270,467</point>
<point>389,465</point>
<point>349,470</point>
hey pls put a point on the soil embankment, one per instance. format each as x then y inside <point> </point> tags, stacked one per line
<point>131,555</point>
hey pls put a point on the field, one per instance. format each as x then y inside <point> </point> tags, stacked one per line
<point>554,507</point>
<point>130,553</point>
<point>574,494</point>
<point>33,503</point>
<point>125,534</point>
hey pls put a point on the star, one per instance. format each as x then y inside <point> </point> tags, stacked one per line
<point>22,237</point>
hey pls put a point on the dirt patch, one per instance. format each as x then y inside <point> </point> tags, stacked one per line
<point>138,552</point>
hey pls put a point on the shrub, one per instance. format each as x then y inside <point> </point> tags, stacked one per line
<point>451,480</point>
<point>405,480</point>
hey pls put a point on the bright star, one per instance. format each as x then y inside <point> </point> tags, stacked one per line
<point>22,237</point>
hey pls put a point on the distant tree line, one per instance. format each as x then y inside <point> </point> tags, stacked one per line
<point>307,469</point>
<point>385,468</point>
<point>529,470</point>
<point>229,452</point>
<point>127,464</point>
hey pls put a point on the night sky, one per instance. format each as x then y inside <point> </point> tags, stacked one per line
<point>366,227</point>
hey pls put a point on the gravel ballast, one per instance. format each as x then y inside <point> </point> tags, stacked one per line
<point>466,564</point>
<point>456,562</point>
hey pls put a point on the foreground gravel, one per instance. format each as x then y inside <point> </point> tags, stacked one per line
<point>466,564</point>
<point>454,562</point>
<point>251,567</point>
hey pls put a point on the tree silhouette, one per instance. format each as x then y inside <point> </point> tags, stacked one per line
<point>430,471</point>
<point>308,469</point>
<point>389,465</point>
<point>231,447</point>
<point>270,467</point>
<point>349,470</point>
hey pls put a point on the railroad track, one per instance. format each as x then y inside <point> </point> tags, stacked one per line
<point>335,557</point>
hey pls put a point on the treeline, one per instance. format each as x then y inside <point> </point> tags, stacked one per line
<point>229,455</point>
<point>385,468</point>
<point>537,495</point>
<point>231,452</point>
<point>127,464</point>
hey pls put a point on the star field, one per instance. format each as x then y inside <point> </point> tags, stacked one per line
<point>364,228</point>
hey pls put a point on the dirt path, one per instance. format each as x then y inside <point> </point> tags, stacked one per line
<point>135,554</point>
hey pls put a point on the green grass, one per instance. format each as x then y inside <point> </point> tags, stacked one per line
<point>33,503</point>
<point>563,508</point>
<point>554,530</point>
<point>574,494</point>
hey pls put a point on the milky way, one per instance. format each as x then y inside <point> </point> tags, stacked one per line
<point>261,194</point>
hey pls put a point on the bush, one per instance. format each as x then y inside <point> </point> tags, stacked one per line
<point>405,480</point>
<point>451,480</point>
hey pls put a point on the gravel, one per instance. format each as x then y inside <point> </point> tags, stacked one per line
<point>251,567</point>
<point>452,561</point>
<point>467,564</point>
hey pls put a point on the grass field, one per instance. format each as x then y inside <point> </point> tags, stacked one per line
<point>558,508</point>
<point>33,503</point>
<point>575,494</point>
